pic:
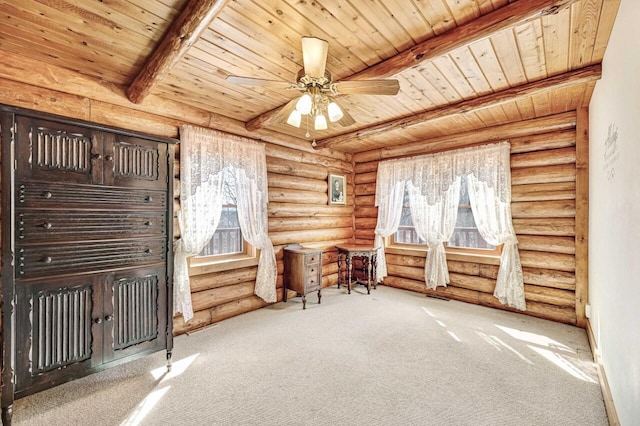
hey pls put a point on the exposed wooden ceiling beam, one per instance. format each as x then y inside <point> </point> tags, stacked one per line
<point>514,14</point>
<point>183,33</point>
<point>579,76</point>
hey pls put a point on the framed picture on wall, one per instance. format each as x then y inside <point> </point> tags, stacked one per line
<point>337,189</point>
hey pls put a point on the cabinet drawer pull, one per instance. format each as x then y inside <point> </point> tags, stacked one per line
<point>46,225</point>
<point>148,223</point>
<point>109,318</point>
<point>148,198</point>
<point>109,158</point>
<point>98,320</point>
<point>96,156</point>
<point>148,251</point>
<point>47,259</point>
<point>47,194</point>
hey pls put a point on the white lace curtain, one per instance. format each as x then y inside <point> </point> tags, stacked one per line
<point>433,182</point>
<point>207,158</point>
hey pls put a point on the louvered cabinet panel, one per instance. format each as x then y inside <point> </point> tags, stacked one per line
<point>58,152</point>
<point>135,163</point>
<point>139,319</point>
<point>93,256</point>
<point>61,338</point>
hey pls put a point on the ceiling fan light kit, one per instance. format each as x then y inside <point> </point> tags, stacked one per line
<point>304,104</point>
<point>334,111</point>
<point>320,122</point>
<point>317,87</point>
<point>295,118</point>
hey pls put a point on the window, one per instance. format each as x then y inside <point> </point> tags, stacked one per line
<point>227,249</point>
<point>228,237</point>
<point>465,237</point>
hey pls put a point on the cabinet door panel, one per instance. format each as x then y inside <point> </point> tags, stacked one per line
<point>57,337</point>
<point>54,151</point>
<point>137,319</point>
<point>134,162</point>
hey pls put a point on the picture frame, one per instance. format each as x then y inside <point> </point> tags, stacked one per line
<point>337,189</point>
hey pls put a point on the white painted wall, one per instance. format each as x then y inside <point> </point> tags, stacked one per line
<point>614,213</point>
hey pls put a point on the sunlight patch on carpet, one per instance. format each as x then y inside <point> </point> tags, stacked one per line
<point>564,363</point>
<point>145,407</point>
<point>536,339</point>
<point>177,368</point>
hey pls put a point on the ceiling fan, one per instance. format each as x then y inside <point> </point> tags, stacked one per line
<point>318,100</point>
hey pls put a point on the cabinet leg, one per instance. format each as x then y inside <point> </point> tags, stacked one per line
<point>319,297</point>
<point>168,360</point>
<point>304,302</point>
<point>339,269</point>
<point>7,413</point>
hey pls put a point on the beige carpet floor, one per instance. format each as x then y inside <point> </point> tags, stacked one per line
<point>390,358</point>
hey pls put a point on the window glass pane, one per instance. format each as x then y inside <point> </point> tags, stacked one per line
<point>406,233</point>
<point>228,238</point>
<point>465,234</point>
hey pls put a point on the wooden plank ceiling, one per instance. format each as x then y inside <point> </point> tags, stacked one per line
<point>462,64</point>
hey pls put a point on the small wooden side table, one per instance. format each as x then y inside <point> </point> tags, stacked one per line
<point>302,271</point>
<point>369,261</point>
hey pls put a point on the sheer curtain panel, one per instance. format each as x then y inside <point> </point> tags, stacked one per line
<point>389,214</point>
<point>435,223</point>
<point>207,158</point>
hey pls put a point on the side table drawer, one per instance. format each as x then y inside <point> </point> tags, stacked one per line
<point>310,258</point>
<point>312,280</point>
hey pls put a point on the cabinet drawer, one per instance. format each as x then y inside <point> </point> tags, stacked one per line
<point>56,225</point>
<point>45,195</point>
<point>312,284</point>
<point>55,259</point>
<point>310,259</point>
<point>313,278</point>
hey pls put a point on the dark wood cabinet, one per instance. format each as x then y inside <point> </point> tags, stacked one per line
<point>86,250</point>
<point>302,271</point>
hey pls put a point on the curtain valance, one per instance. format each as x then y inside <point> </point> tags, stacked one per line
<point>433,174</point>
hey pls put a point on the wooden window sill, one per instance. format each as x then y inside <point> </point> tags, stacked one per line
<point>208,266</point>
<point>486,259</point>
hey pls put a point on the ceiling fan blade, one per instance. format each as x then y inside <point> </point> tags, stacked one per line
<point>347,119</point>
<point>314,56</point>
<point>249,81</point>
<point>368,87</point>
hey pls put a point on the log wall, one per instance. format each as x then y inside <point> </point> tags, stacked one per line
<point>298,212</point>
<point>297,177</point>
<point>543,172</point>
<point>544,196</point>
